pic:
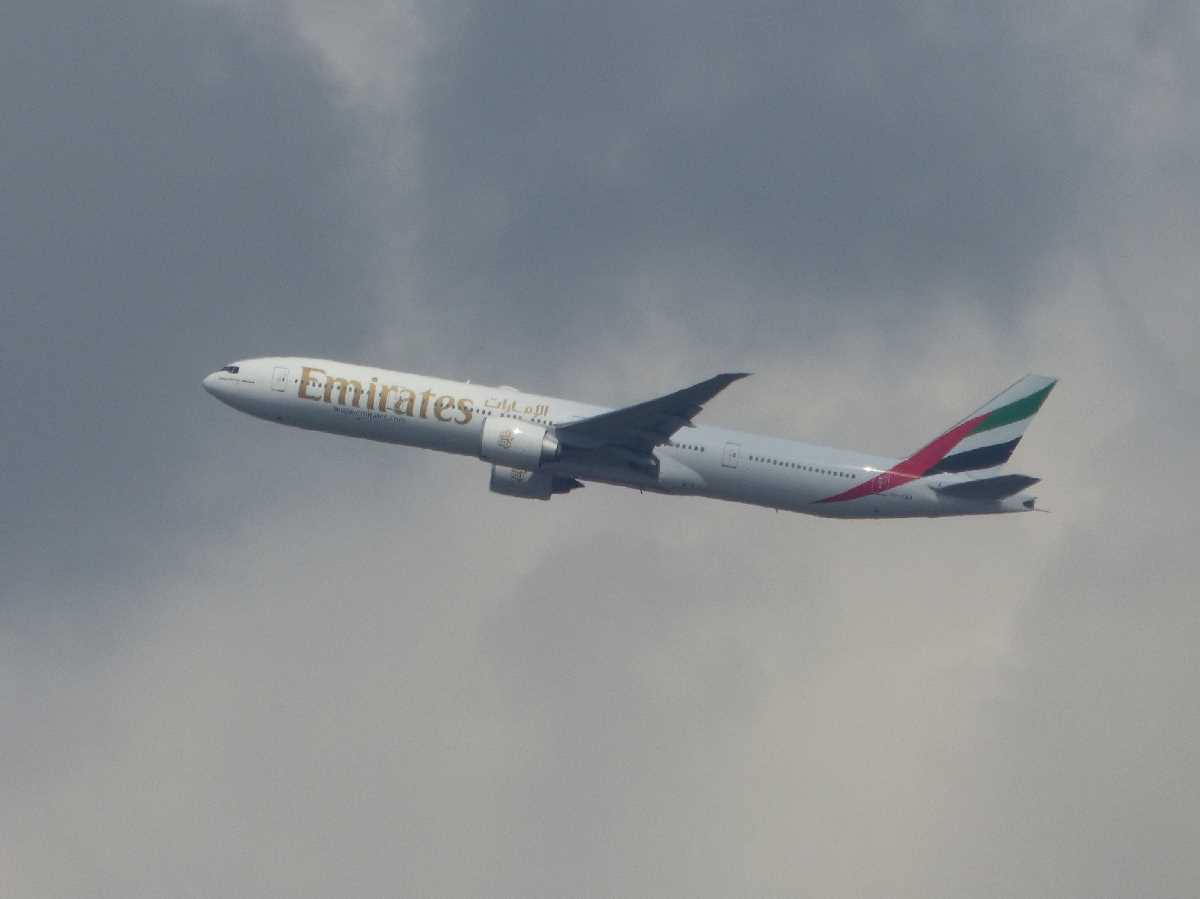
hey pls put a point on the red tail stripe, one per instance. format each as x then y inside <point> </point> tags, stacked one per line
<point>913,467</point>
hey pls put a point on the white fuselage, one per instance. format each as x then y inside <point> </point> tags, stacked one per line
<point>449,416</point>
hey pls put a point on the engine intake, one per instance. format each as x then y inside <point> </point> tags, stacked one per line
<point>518,444</point>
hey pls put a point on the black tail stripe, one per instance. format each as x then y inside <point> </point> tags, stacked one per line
<point>984,457</point>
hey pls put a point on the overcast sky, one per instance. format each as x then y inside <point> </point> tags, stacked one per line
<point>237,660</point>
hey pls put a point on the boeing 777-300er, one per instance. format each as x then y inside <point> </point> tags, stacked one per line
<point>539,446</point>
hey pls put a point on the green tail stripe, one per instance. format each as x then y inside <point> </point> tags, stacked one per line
<point>1015,411</point>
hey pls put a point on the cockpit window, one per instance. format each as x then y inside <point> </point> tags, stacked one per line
<point>232,369</point>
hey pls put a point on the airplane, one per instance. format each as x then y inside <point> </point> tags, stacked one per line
<point>542,446</point>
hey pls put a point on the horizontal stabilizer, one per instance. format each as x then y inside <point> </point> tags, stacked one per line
<point>989,488</point>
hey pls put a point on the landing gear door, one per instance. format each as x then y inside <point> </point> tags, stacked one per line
<point>279,378</point>
<point>730,458</point>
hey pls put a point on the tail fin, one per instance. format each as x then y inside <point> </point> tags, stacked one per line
<point>987,437</point>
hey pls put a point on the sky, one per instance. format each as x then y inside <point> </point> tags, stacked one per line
<point>241,660</point>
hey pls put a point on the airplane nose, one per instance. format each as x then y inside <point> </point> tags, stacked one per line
<point>210,383</point>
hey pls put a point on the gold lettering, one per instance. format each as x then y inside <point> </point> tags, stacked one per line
<point>384,390</point>
<point>343,384</point>
<point>405,400</point>
<point>443,403</point>
<point>425,398</point>
<point>371,393</point>
<point>306,374</point>
<point>464,406</point>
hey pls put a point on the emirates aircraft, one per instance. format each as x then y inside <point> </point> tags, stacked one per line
<point>539,446</point>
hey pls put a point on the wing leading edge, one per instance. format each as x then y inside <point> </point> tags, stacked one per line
<point>645,425</point>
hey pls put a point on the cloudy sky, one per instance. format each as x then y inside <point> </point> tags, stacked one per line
<point>241,661</point>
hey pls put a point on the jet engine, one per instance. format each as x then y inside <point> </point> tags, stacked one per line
<point>516,443</point>
<point>529,484</point>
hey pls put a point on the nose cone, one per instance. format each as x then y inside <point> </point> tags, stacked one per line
<point>221,386</point>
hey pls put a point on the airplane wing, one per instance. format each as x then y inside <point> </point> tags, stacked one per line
<point>645,425</point>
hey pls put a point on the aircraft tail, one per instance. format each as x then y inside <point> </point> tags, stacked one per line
<point>979,443</point>
<point>986,438</point>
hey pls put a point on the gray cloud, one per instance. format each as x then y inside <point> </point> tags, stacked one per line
<point>235,659</point>
<point>177,192</point>
<point>790,171</point>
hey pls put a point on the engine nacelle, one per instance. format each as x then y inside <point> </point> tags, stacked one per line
<point>517,444</point>
<point>528,484</point>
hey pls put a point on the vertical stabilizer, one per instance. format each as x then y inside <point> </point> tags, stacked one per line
<point>988,436</point>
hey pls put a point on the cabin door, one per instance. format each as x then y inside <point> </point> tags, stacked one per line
<point>729,459</point>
